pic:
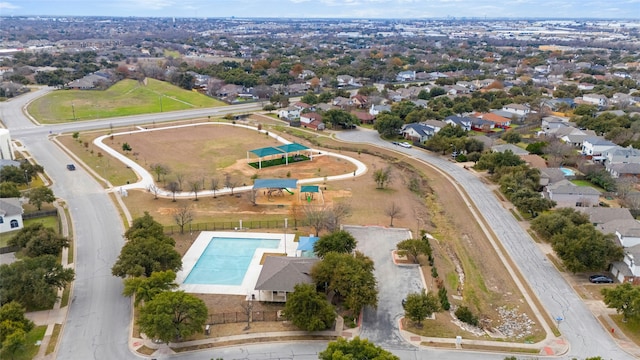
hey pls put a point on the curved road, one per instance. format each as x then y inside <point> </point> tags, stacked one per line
<point>98,315</point>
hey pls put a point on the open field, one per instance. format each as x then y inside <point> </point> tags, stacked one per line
<point>433,205</point>
<point>127,97</point>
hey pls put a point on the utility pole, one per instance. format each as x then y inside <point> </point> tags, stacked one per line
<point>160,99</point>
<point>73,110</point>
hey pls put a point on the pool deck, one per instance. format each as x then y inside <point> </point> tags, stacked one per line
<point>253,271</point>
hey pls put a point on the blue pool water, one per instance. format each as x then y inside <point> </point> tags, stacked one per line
<point>567,172</point>
<point>225,260</point>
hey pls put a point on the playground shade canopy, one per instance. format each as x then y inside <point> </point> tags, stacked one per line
<point>309,189</point>
<point>266,151</point>
<point>275,184</point>
<point>292,147</point>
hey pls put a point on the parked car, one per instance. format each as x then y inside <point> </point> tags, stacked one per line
<point>404,302</point>
<point>71,167</point>
<point>600,279</point>
<point>405,144</point>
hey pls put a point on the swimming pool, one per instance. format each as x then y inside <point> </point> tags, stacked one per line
<point>225,260</point>
<point>567,172</point>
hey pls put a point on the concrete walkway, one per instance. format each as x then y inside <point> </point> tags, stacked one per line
<point>146,180</point>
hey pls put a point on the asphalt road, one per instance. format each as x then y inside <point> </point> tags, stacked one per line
<point>586,336</point>
<point>99,316</point>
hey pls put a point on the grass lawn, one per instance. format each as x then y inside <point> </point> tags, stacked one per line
<point>127,97</point>
<point>31,349</point>
<point>48,221</point>
<point>587,183</point>
<point>630,328</point>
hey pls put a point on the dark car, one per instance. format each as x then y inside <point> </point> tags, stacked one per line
<point>404,302</point>
<point>71,167</point>
<point>600,279</point>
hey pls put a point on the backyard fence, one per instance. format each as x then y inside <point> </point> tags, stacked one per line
<point>239,317</point>
<point>237,225</point>
<point>39,214</point>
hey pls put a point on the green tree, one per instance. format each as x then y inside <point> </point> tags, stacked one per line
<point>339,118</point>
<point>144,289</point>
<point>145,226</point>
<point>387,124</point>
<point>495,160</point>
<point>625,299</point>
<point>126,147</point>
<point>583,248</point>
<point>142,256</point>
<point>412,248</point>
<point>382,177</point>
<point>536,147</point>
<point>40,195</point>
<point>13,343</point>
<point>338,241</point>
<point>309,310</point>
<point>350,277</point>
<point>511,137</point>
<point>9,189</point>
<point>12,318</point>
<point>342,349</point>
<point>310,98</point>
<point>160,170</point>
<point>172,316</point>
<point>33,282</point>
<point>420,305</point>
<point>36,239</point>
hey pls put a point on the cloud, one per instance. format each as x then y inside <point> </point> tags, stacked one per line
<point>8,5</point>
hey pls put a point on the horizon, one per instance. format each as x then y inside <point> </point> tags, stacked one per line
<point>330,9</point>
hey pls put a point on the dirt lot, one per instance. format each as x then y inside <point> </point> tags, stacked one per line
<point>466,262</point>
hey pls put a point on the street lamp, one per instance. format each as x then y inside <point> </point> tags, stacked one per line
<point>26,177</point>
<point>455,150</point>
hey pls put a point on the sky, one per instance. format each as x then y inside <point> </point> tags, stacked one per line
<point>400,9</point>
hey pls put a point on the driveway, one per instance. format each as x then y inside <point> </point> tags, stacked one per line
<point>380,325</point>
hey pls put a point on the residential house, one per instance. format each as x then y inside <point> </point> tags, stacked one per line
<point>509,147</point>
<point>517,109</point>
<point>463,122</point>
<point>596,146</point>
<point>10,214</point>
<point>306,74</point>
<point>417,132</point>
<point>345,80</point>
<point>436,124</point>
<point>420,103</point>
<point>550,175</point>
<point>481,124</point>
<point>566,194</point>
<point>554,122</point>
<point>280,274</point>
<point>585,86</point>
<point>623,170</point>
<point>621,155</point>
<point>90,81</point>
<point>364,117</point>
<point>408,75</point>
<point>302,106</point>
<point>377,109</point>
<point>342,102</point>
<point>602,215</point>
<point>290,113</point>
<point>534,161</point>
<point>628,234</point>
<point>596,99</point>
<point>456,89</point>
<point>296,89</point>
<point>230,91</point>
<point>497,120</point>
<point>312,120</point>
<point>360,101</point>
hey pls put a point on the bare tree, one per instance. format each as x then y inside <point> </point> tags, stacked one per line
<point>159,170</point>
<point>557,152</point>
<point>174,188</point>
<point>215,185</point>
<point>183,216</point>
<point>382,177</point>
<point>393,211</point>
<point>247,308</point>
<point>296,212</point>
<point>230,182</point>
<point>180,180</point>
<point>336,214</point>
<point>625,185</point>
<point>196,186</point>
<point>316,217</point>
<point>155,190</point>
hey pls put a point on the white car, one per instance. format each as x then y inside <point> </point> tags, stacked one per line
<point>405,144</point>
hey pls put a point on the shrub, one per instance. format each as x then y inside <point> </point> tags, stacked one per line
<point>465,315</point>
<point>444,301</point>
<point>434,272</point>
